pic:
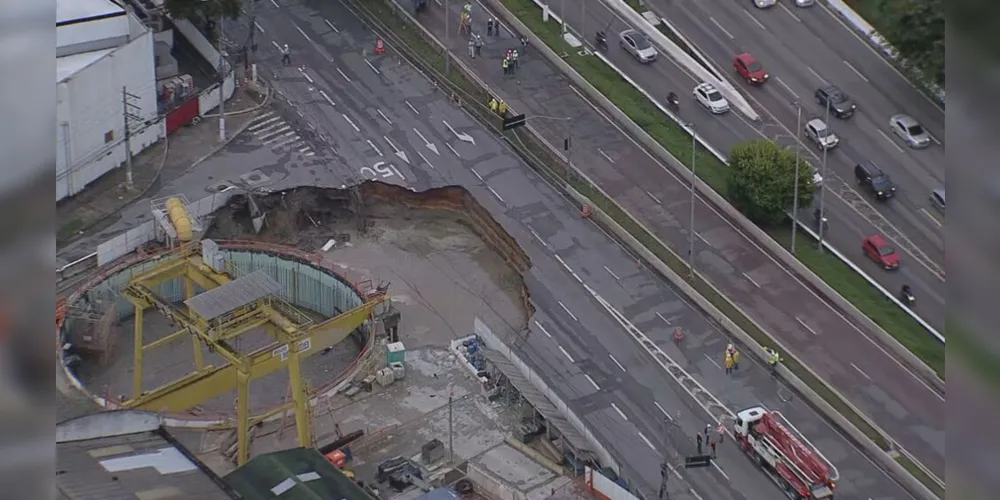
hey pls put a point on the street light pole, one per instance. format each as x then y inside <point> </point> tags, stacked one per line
<point>822,187</point>
<point>798,154</point>
<point>694,176</point>
<point>562,15</point>
<point>447,37</point>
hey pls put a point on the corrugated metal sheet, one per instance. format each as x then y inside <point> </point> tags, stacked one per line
<point>233,295</point>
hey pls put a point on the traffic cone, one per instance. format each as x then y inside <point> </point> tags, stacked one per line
<point>379,47</point>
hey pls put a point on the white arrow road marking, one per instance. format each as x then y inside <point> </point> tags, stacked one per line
<point>430,145</point>
<point>422,157</point>
<point>462,137</point>
<point>399,153</point>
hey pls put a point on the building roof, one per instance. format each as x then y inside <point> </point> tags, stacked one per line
<point>67,66</point>
<point>68,11</point>
<point>295,474</point>
<point>126,454</point>
<point>233,295</point>
<point>439,494</point>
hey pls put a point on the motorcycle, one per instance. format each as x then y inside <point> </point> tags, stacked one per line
<point>673,101</point>
<point>820,222</point>
<point>601,41</point>
<point>906,295</point>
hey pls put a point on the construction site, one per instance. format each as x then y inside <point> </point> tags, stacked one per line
<point>337,320</point>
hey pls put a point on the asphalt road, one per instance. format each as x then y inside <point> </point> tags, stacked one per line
<point>853,214</point>
<point>572,340</point>
<point>841,353</point>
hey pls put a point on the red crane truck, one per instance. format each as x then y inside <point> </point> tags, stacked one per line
<point>796,468</point>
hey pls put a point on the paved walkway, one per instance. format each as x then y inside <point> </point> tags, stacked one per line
<point>95,208</point>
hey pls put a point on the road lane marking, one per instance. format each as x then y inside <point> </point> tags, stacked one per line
<point>334,28</point>
<point>754,19</point>
<point>789,89</point>
<point>789,12</point>
<point>258,26</point>
<point>356,129</point>
<point>372,67</point>
<point>710,360</point>
<point>887,138</point>
<point>273,2</point>
<point>323,93</point>
<point>568,311</point>
<point>268,134</point>
<point>453,150</point>
<point>288,139</point>
<point>935,139</point>
<point>617,363</point>
<point>571,360</point>
<point>495,193</point>
<point>276,45</point>
<point>343,75</point>
<point>702,238</point>
<point>476,174</point>
<point>647,441</point>
<point>931,217</point>
<point>664,412</point>
<point>605,155</point>
<point>665,320</point>
<point>862,372</point>
<point>259,125</point>
<point>747,276</point>
<point>653,196</point>
<point>592,382</point>
<point>412,108</point>
<point>570,271</point>
<point>717,25</point>
<point>804,325</point>
<point>817,75</point>
<point>720,470</point>
<point>620,412</point>
<point>695,494</point>
<point>386,118</point>
<point>542,328</point>
<point>372,144</point>
<point>539,238</point>
<point>855,70</point>
<point>422,157</point>
<point>302,32</point>
<point>612,273</point>
<point>306,75</point>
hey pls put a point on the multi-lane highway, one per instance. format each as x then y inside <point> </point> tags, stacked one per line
<point>908,219</point>
<point>376,109</point>
<point>842,353</point>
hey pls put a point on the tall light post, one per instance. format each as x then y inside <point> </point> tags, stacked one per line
<point>822,187</point>
<point>694,176</point>
<point>447,37</point>
<point>798,154</point>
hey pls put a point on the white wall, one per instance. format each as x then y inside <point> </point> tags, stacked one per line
<point>89,104</point>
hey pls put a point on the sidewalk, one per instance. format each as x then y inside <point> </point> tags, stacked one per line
<point>96,206</point>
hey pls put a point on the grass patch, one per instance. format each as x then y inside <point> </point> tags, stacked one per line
<point>921,476</point>
<point>867,299</point>
<point>681,44</point>
<point>541,159</point>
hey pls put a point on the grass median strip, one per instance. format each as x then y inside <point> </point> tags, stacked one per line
<point>715,173</point>
<point>545,163</point>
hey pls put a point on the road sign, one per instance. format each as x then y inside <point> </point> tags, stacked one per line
<point>514,122</point>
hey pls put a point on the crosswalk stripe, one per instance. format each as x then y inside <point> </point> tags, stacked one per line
<point>271,134</point>
<point>290,140</point>
<point>258,125</point>
<point>268,129</point>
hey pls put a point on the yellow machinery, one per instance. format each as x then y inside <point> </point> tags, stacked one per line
<point>213,319</point>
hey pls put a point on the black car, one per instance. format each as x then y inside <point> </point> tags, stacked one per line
<point>841,106</point>
<point>876,180</point>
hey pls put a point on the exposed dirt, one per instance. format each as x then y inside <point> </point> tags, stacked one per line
<point>447,219</point>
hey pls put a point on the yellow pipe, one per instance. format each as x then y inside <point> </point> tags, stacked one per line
<point>180,218</point>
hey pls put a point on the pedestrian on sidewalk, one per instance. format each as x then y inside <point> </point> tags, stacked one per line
<point>729,363</point>
<point>698,440</point>
<point>478,44</point>
<point>736,360</point>
<point>513,57</point>
<point>489,27</point>
<point>472,48</point>
<point>496,26</point>
<point>286,57</point>
<point>506,66</point>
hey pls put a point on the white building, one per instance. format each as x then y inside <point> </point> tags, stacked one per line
<point>100,49</point>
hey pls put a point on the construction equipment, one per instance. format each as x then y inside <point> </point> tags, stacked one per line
<point>799,470</point>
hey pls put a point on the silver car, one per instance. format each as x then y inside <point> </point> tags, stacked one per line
<point>764,4</point>
<point>910,131</point>
<point>937,199</point>
<point>805,3</point>
<point>820,133</point>
<point>635,43</point>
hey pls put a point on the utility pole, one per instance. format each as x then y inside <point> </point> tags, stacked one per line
<point>562,15</point>
<point>694,177</point>
<point>447,37</point>
<point>822,187</point>
<point>798,153</point>
<point>451,435</point>
<point>130,117</point>
<point>222,84</point>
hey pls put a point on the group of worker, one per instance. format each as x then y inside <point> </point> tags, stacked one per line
<point>712,439</point>
<point>732,361</point>
<point>510,62</point>
<point>499,107</point>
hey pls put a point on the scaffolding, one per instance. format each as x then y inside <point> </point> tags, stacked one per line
<point>231,304</point>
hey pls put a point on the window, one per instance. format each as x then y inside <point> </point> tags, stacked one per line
<point>916,130</point>
<point>109,136</point>
<point>714,96</point>
<point>886,250</point>
<point>755,67</point>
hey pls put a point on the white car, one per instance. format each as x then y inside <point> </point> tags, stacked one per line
<point>764,4</point>
<point>711,98</point>
<point>820,133</point>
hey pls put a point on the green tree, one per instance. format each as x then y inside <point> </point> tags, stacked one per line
<point>916,29</point>
<point>205,10</point>
<point>762,180</point>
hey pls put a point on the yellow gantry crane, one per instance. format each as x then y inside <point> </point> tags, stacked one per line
<point>213,319</point>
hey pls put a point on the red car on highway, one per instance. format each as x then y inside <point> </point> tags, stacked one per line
<point>879,250</point>
<point>750,69</point>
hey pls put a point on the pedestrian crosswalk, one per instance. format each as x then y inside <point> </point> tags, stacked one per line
<point>275,133</point>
